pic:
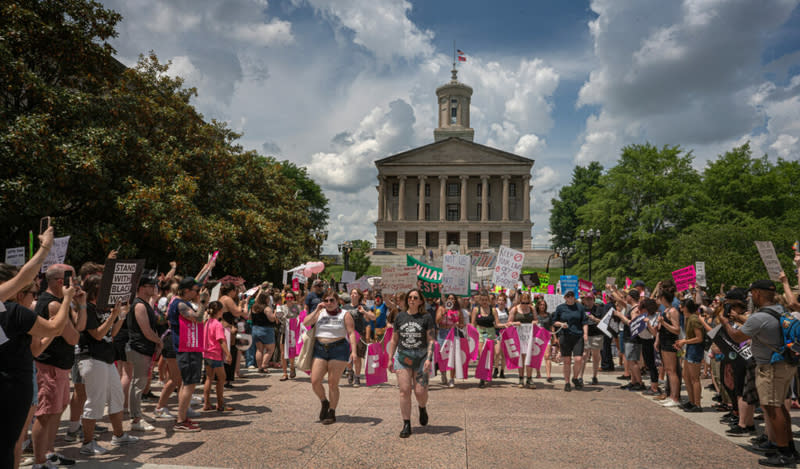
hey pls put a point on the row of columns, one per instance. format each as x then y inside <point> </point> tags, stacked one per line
<point>443,199</point>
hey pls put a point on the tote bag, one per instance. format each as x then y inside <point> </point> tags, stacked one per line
<point>306,356</point>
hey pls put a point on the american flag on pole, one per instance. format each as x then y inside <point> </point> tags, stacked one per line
<point>461,56</point>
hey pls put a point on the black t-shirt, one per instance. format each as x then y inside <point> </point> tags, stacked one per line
<point>597,312</point>
<point>102,349</point>
<point>16,360</point>
<point>359,320</point>
<point>573,315</point>
<point>137,340</point>
<point>412,330</point>
<point>59,353</point>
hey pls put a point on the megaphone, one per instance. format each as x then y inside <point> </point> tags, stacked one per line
<point>243,341</point>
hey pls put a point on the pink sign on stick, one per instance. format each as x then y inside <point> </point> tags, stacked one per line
<point>541,339</point>
<point>685,278</point>
<point>190,335</point>
<point>374,371</point>
<point>483,370</point>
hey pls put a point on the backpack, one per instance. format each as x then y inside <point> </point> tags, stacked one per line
<point>790,330</point>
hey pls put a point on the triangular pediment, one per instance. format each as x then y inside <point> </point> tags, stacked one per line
<point>453,151</point>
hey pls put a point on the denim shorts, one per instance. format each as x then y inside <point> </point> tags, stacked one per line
<point>694,353</point>
<point>213,363</point>
<point>419,354</point>
<point>263,335</point>
<point>339,350</point>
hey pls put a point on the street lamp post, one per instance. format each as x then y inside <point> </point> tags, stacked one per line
<point>346,248</point>
<point>589,236</point>
<point>564,252</point>
<point>547,268</point>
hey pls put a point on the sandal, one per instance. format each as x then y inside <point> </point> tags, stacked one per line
<point>292,375</point>
<point>284,378</point>
<point>226,408</point>
<point>207,408</point>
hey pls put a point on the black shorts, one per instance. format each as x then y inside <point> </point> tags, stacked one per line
<point>191,366</point>
<point>168,349</point>
<point>119,351</point>
<point>571,345</point>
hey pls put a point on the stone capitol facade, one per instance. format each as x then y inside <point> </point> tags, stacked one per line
<point>453,191</point>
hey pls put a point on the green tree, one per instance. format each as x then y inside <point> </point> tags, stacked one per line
<point>359,258</point>
<point>119,157</point>
<point>564,222</point>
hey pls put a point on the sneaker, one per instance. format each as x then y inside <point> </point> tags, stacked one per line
<point>765,447</point>
<point>192,414</point>
<point>100,428</point>
<point>186,427</point>
<point>47,465</point>
<point>650,392</point>
<point>670,403</point>
<point>521,382</point>
<point>638,387</point>
<point>779,460</point>
<point>594,380</point>
<point>142,426</point>
<point>625,387</point>
<point>92,448</point>
<point>623,378</point>
<point>357,382</point>
<point>693,408</point>
<point>451,384</point>
<point>759,439</point>
<point>197,400</point>
<point>27,462</point>
<point>123,440</point>
<point>482,384</point>
<point>741,431</point>
<point>149,397</point>
<point>660,397</point>
<point>163,413</point>
<point>444,379</point>
<point>251,367</point>
<point>529,384</point>
<point>72,437</point>
<point>59,459</point>
<point>567,387</point>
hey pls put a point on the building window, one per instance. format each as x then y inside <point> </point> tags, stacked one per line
<point>453,189</point>
<point>479,210</point>
<point>432,239</point>
<point>395,189</point>
<point>453,111</point>
<point>480,189</point>
<point>515,239</point>
<point>427,190</point>
<point>390,239</point>
<point>427,211</point>
<point>453,212</point>
<point>512,189</point>
<point>411,239</point>
<point>495,238</point>
<point>474,239</point>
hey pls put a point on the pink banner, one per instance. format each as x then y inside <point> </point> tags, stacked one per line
<point>190,335</point>
<point>585,286</point>
<point>685,278</point>
<point>510,346</point>
<point>387,339</point>
<point>628,283</point>
<point>541,339</point>
<point>448,351</point>
<point>375,369</point>
<point>295,284</point>
<point>291,339</point>
<point>441,361</point>
<point>462,358</point>
<point>551,289</point>
<point>474,339</point>
<point>483,370</point>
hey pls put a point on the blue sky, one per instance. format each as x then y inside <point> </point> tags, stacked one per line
<point>336,84</point>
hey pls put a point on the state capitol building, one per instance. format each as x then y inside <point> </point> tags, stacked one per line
<point>453,191</point>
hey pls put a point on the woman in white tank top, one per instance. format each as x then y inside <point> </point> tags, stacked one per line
<point>334,327</point>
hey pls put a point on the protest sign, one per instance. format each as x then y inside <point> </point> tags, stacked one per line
<point>604,323</point>
<point>348,276</point>
<point>585,286</point>
<point>611,281</point>
<point>507,267</point>
<point>215,292</point>
<point>700,273</point>
<point>398,279</point>
<point>455,274</point>
<point>569,283</point>
<point>541,339</point>
<point>361,283</point>
<point>524,332</point>
<point>297,275</point>
<point>728,347</point>
<point>553,301</point>
<point>120,281</point>
<point>685,278</point>
<point>483,258</point>
<point>638,325</point>
<point>191,335</point>
<point>767,252</point>
<point>510,346</point>
<point>530,280</point>
<point>375,371</point>
<point>483,369</point>
<point>15,256</point>
<point>57,253</point>
<point>429,277</point>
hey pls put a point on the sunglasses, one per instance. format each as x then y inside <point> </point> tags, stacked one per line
<point>413,297</point>
<point>525,302</point>
<point>290,298</point>
<point>329,300</point>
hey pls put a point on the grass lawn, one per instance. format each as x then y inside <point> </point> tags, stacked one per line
<point>336,271</point>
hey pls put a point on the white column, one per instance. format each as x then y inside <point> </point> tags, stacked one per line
<point>381,198</point>
<point>505,197</point>
<point>421,180</point>
<point>526,198</point>
<point>484,198</point>
<point>442,197</point>
<point>401,203</point>
<point>464,197</point>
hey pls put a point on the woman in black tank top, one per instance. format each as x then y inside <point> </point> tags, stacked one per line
<point>522,313</point>
<point>484,319</point>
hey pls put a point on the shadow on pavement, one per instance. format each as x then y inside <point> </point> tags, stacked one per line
<point>438,430</point>
<point>358,419</point>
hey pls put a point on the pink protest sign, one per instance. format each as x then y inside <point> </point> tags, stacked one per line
<point>448,351</point>
<point>387,339</point>
<point>441,361</point>
<point>685,278</point>
<point>510,346</point>
<point>462,358</point>
<point>474,339</point>
<point>483,370</point>
<point>541,338</point>
<point>290,338</point>
<point>585,286</point>
<point>551,289</point>
<point>191,335</point>
<point>374,371</point>
<point>295,284</point>
<point>628,282</point>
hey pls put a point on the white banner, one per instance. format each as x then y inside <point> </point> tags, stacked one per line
<point>398,279</point>
<point>700,272</point>
<point>299,276</point>
<point>15,256</point>
<point>508,267</point>
<point>57,253</point>
<point>455,274</point>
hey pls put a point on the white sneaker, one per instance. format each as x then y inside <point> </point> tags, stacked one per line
<point>93,448</point>
<point>670,403</point>
<point>27,462</point>
<point>163,413</point>
<point>47,465</point>
<point>125,439</point>
<point>197,399</point>
<point>142,426</point>
<point>452,384</point>
<point>251,367</point>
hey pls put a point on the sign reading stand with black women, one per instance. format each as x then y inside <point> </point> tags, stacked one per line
<point>120,281</point>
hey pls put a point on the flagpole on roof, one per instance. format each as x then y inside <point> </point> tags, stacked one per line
<point>454,54</point>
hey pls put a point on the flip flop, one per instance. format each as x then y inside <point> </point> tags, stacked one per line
<point>226,408</point>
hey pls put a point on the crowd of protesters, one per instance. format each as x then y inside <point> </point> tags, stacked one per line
<point>59,349</point>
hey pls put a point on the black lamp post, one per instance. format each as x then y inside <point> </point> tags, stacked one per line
<point>589,236</point>
<point>564,252</point>
<point>547,268</point>
<point>346,248</point>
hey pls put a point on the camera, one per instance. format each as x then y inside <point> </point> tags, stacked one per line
<point>726,310</point>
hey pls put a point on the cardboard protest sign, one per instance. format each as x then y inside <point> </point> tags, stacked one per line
<point>611,281</point>
<point>569,283</point>
<point>553,301</point>
<point>297,275</point>
<point>348,276</point>
<point>398,279</point>
<point>604,323</point>
<point>507,267</point>
<point>215,292</point>
<point>120,281</point>
<point>685,278</point>
<point>700,273</point>
<point>638,325</point>
<point>767,252</point>
<point>362,284</point>
<point>15,256</point>
<point>455,274</point>
<point>57,253</point>
<point>531,280</point>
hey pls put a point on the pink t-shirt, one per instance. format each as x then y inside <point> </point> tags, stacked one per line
<point>214,333</point>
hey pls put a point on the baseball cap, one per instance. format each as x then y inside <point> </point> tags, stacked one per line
<point>187,283</point>
<point>638,283</point>
<point>736,294</point>
<point>147,281</point>
<point>569,293</point>
<point>768,285</point>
